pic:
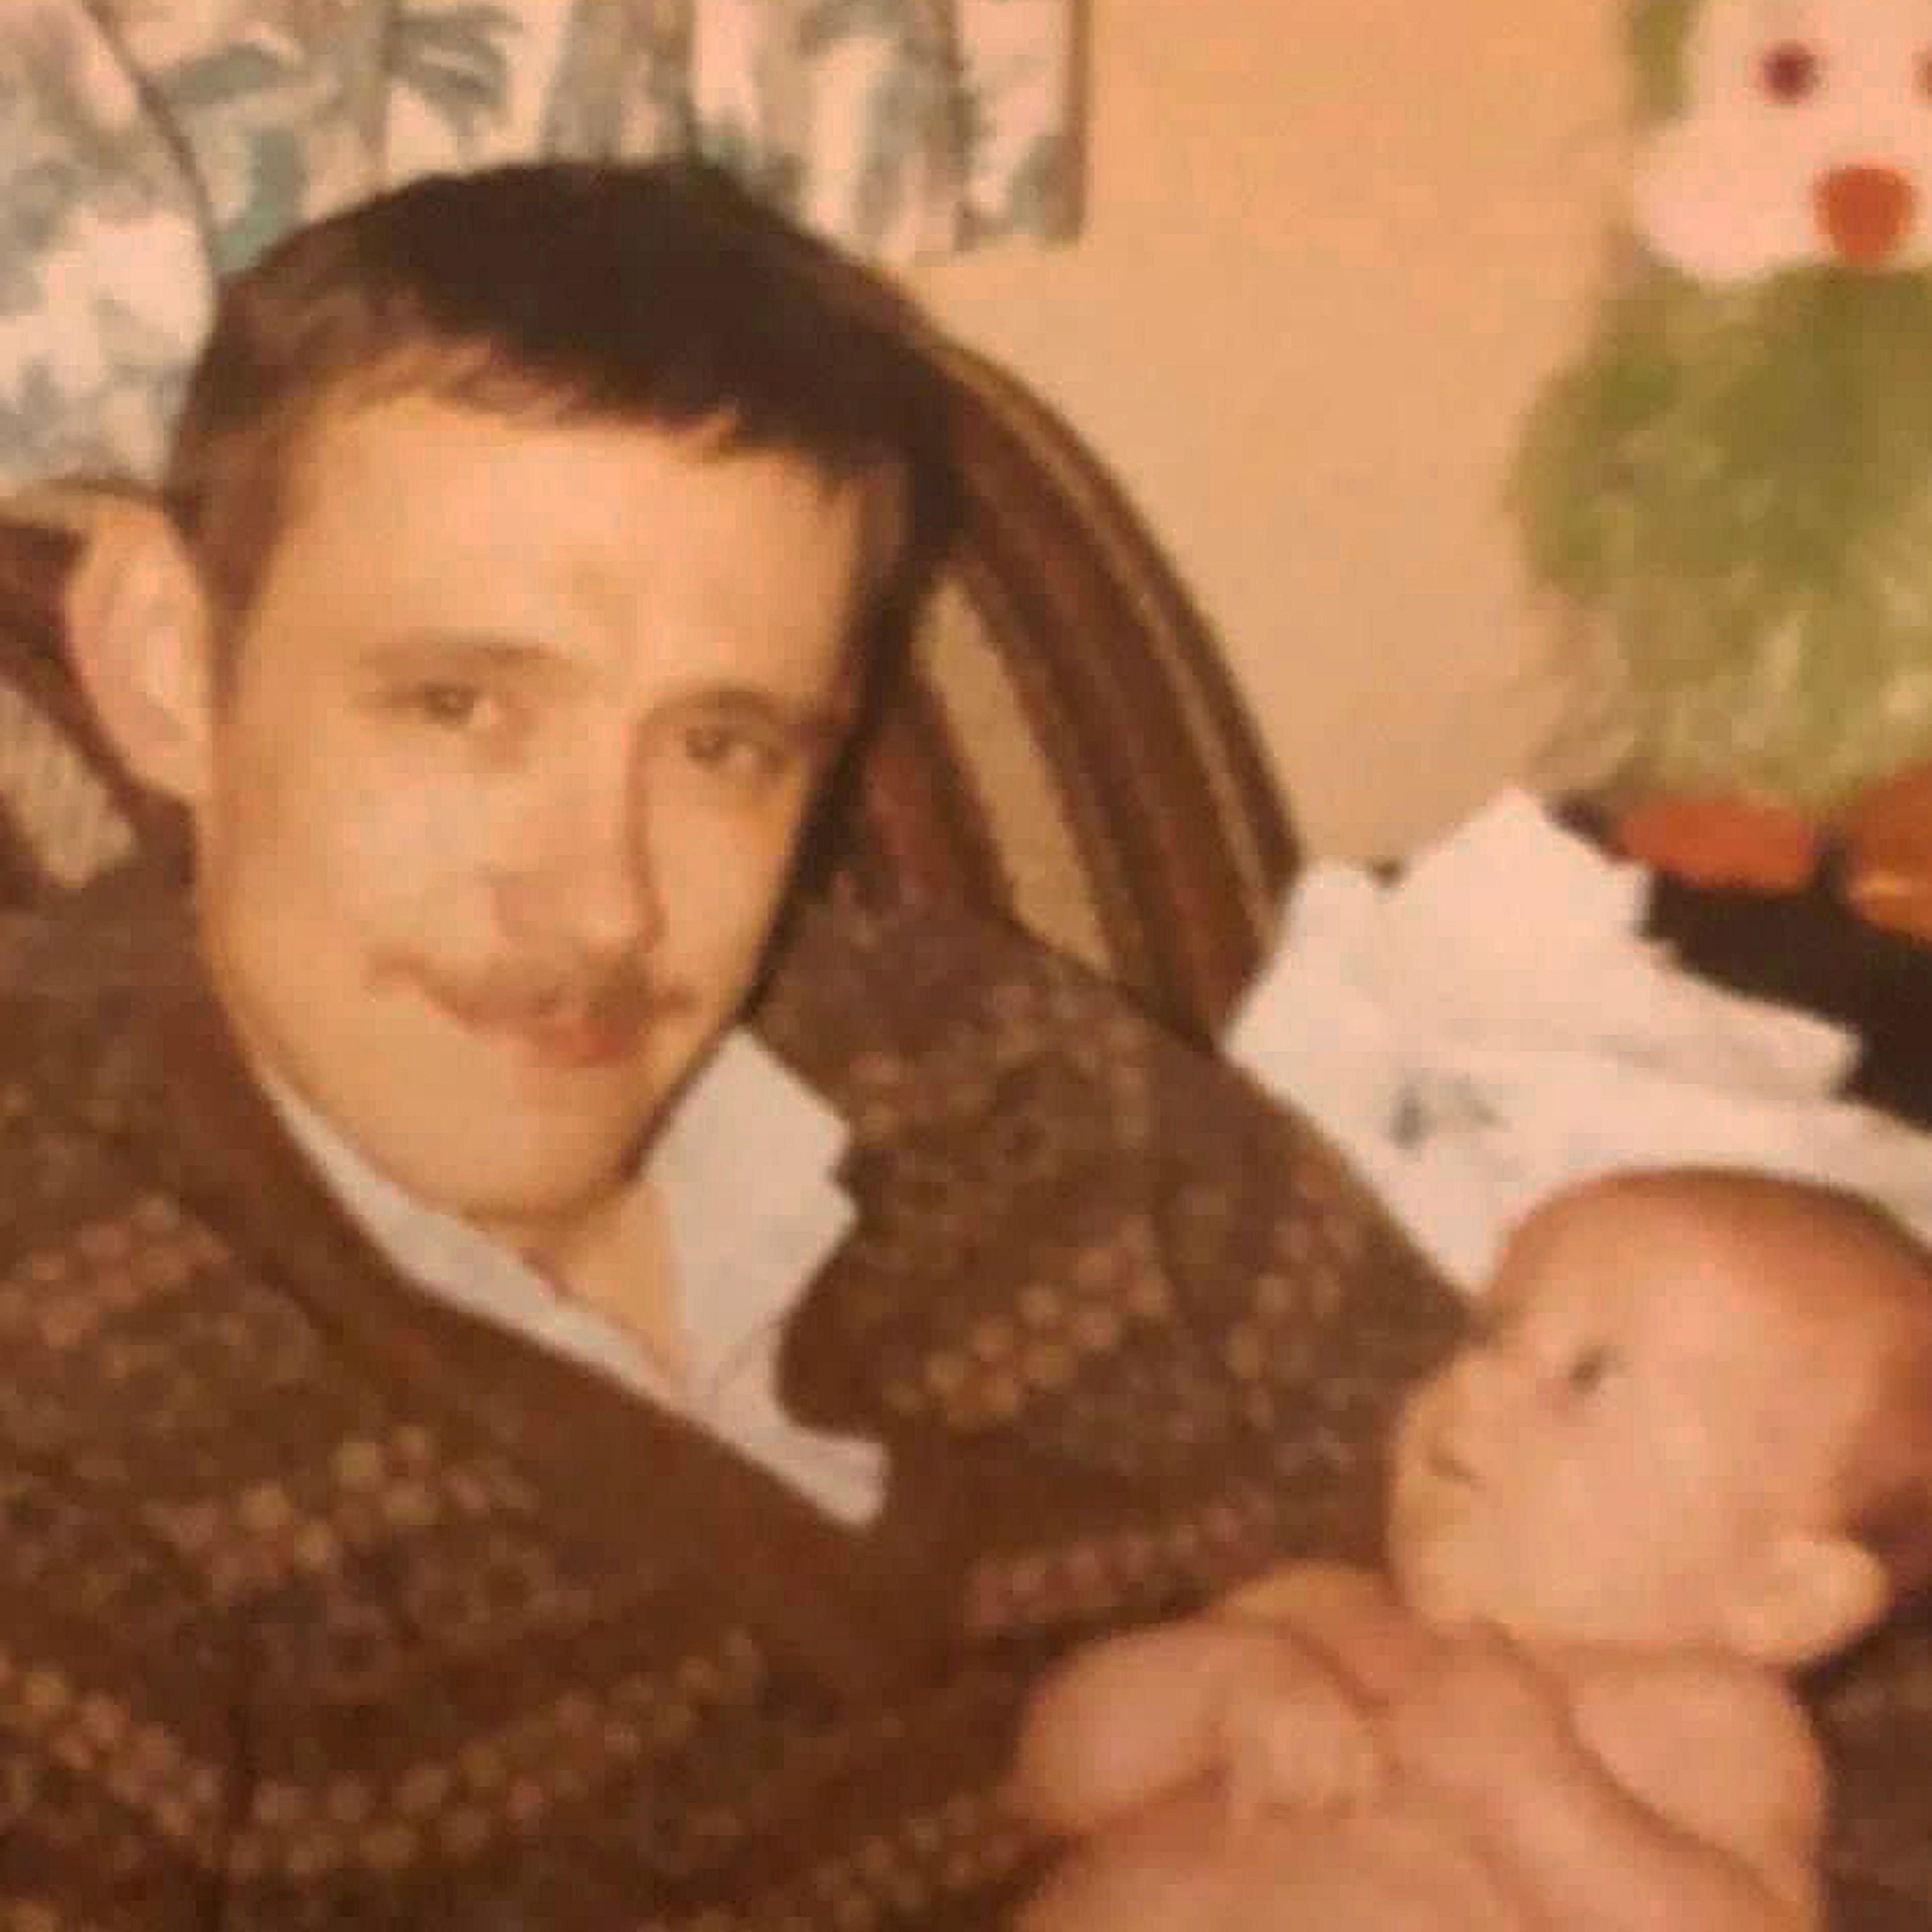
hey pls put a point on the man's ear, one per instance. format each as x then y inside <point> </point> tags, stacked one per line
<point>140,639</point>
<point>1808,1595</point>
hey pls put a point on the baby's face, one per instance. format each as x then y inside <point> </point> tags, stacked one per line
<point>1632,1419</point>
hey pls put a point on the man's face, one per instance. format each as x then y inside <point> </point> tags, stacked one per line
<point>1635,1421</point>
<point>503,790</point>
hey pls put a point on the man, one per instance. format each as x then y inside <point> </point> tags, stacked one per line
<point>468,1458</point>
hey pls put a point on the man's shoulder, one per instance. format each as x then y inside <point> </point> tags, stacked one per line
<point>912,971</point>
<point>1081,1235</point>
<point>1013,1118</point>
<point>1005,1102</point>
<point>83,974</point>
<point>125,1310</point>
<point>79,1060</point>
<point>927,1016</point>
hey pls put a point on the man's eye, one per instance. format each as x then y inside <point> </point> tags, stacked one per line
<point>1590,1370</point>
<point>734,752</point>
<point>453,706</point>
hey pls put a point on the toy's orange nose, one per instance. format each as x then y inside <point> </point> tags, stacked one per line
<point>1867,212</point>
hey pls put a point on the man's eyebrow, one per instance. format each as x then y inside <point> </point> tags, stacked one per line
<point>478,650</point>
<point>814,720</point>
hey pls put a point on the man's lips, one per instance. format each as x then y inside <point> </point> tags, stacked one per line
<point>570,1042</point>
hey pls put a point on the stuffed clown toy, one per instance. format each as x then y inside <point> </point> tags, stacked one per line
<point>1734,483</point>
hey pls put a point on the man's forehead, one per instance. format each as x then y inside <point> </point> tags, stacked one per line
<point>594,505</point>
<point>366,438</point>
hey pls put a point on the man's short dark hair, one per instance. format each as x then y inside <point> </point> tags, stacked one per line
<point>661,294</point>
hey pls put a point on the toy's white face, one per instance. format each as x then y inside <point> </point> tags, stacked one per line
<point>1806,139</point>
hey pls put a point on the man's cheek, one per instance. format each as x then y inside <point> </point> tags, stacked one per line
<point>422,838</point>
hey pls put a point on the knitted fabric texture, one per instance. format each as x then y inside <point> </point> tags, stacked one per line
<point>327,1606</point>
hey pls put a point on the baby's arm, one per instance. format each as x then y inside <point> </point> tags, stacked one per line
<point>1228,1696</point>
<point>1627,1792</point>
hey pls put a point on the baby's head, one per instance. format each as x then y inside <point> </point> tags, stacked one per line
<point>1697,1409</point>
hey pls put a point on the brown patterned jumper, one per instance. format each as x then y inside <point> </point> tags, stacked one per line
<point>321,1604</point>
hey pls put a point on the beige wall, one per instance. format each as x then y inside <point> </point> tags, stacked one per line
<point>1332,245</point>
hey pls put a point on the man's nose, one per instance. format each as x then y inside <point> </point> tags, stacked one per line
<point>591,876</point>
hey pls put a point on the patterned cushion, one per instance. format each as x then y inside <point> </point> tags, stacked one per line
<point>1070,750</point>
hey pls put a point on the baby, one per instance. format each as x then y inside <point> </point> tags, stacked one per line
<point>1688,1450</point>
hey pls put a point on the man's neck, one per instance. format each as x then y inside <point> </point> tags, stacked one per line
<point>688,1269</point>
<point>614,1256</point>
<point>618,1260</point>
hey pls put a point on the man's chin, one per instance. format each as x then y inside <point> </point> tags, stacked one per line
<point>516,1170</point>
<point>541,1214</point>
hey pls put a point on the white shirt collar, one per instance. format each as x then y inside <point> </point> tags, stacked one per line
<point>745,1170</point>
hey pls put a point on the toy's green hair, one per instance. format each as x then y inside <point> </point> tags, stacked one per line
<point>1660,38</point>
<point>1735,483</point>
<point>1738,483</point>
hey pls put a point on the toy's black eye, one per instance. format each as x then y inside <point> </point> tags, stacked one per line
<point>1792,71</point>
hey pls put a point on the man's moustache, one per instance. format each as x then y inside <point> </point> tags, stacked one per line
<point>617,999</point>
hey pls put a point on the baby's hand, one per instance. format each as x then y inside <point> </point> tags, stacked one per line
<point>1487,1719</point>
<point>1312,1750</point>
